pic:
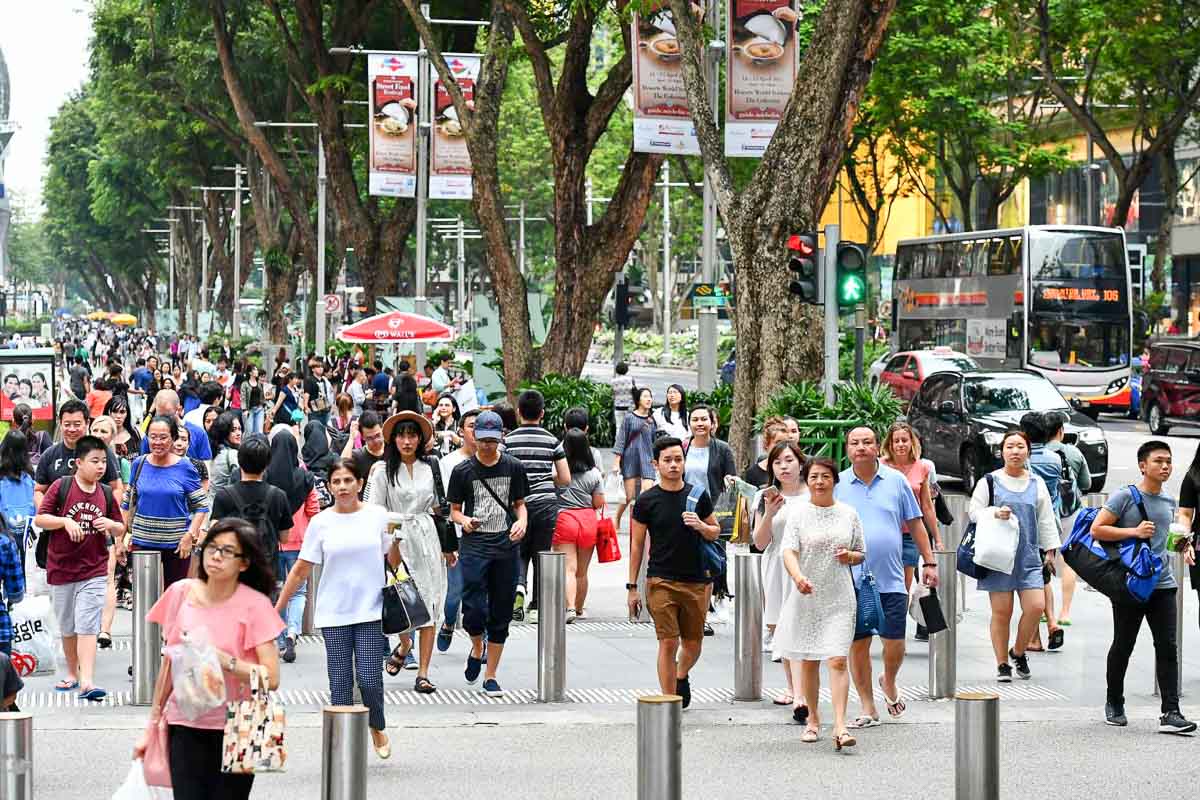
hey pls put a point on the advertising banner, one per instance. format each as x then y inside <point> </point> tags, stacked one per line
<point>449,160</point>
<point>987,338</point>
<point>392,89</point>
<point>662,121</point>
<point>761,70</point>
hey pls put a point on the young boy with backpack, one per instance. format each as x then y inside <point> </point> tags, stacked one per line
<point>259,503</point>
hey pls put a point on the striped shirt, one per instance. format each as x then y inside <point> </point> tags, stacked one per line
<point>165,499</point>
<point>537,449</point>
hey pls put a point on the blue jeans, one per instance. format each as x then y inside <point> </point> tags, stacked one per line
<point>254,419</point>
<point>454,592</point>
<point>294,616</point>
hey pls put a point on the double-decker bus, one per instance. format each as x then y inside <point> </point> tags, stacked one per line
<point>1050,298</point>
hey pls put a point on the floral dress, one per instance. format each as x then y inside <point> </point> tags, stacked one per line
<point>820,625</point>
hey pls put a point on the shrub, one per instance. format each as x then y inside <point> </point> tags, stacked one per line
<point>562,392</point>
<point>721,400</point>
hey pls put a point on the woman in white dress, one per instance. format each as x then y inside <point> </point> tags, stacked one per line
<point>776,505</point>
<point>824,538</point>
<point>403,483</point>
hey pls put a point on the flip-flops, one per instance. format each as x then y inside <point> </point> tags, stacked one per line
<point>66,686</point>
<point>783,700</point>
<point>95,694</point>
<point>895,706</point>
<point>810,735</point>
<point>864,722</point>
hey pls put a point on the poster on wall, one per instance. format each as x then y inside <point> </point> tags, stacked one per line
<point>449,160</point>
<point>760,72</point>
<point>392,89</point>
<point>662,121</point>
<point>987,338</point>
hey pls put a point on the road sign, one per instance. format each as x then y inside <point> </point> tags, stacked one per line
<point>333,303</point>
<point>709,295</point>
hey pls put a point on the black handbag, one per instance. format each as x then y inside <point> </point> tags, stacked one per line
<point>441,511</point>
<point>931,609</point>
<point>942,510</point>
<point>403,608</point>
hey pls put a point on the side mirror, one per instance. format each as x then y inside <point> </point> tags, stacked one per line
<point>908,373</point>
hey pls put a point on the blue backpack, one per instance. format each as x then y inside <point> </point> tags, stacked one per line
<point>16,508</point>
<point>712,554</point>
<point>1125,571</point>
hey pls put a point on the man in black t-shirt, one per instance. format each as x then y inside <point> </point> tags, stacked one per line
<point>59,459</point>
<point>487,498</point>
<point>675,515</point>
<point>256,501</point>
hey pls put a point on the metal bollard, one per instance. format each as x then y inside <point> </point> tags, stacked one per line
<point>146,568</point>
<point>16,755</point>
<point>952,537</point>
<point>552,627</point>
<point>943,646</point>
<point>344,741</point>
<point>659,747</point>
<point>976,746</point>
<point>747,626</point>
<point>310,603</point>
<point>1095,500</point>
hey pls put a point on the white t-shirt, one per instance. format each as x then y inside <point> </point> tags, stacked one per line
<point>196,415</point>
<point>446,465</point>
<point>350,549</point>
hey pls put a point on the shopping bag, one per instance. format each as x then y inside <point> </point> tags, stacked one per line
<point>916,593</point>
<point>198,684</point>
<point>254,731</point>
<point>136,788</point>
<point>156,765</point>
<point>931,612</point>
<point>996,541</point>
<point>35,645</point>
<point>608,548</point>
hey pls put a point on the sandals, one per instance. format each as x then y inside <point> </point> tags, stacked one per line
<point>784,700</point>
<point>423,685</point>
<point>800,713</point>
<point>864,721</point>
<point>843,740</point>
<point>810,735</point>
<point>66,686</point>
<point>895,706</point>
<point>1055,640</point>
<point>103,640</point>
<point>395,661</point>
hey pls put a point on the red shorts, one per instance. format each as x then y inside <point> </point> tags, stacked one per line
<point>576,526</point>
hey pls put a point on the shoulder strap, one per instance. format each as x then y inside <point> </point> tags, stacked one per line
<point>991,489</point>
<point>490,491</point>
<point>1137,498</point>
<point>64,487</point>
<point>693,498</point>
<point>439,491</point>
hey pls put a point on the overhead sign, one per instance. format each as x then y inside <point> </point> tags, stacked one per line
<point>392,129</point>
<point>333,303</point>
<point>449,159</point>
<point>709,295</point>
<point>760,72</point>
<point>662,120</point>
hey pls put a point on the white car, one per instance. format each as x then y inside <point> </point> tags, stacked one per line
<point>876,368</point>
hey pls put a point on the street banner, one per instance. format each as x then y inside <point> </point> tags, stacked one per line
<point>662,121</point>
<point>761,70</point>
<point>392,89</point>
<point>449,160</point>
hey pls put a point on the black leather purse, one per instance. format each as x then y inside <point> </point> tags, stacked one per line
<point>441,510</point>
<point>403,607</point>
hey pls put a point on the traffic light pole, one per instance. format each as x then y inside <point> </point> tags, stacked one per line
<point>829,289</point>
<point>860,324</point>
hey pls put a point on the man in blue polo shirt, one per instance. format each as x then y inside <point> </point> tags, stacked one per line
<point>886,505</point>
<point>166,404</point>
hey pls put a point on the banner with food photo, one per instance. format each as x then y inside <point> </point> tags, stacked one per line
<point>392,89</point>
<point>662,121</point>
<point>761,71</point>
<point>450,162</point>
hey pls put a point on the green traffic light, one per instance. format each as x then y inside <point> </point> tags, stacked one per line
<point>852,290</point>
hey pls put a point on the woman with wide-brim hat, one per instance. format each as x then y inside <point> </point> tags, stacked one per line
<point>404,484</point>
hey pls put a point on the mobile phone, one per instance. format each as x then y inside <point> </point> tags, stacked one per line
<point>770,492</point>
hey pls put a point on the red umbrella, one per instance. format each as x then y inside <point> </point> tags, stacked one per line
<point>397,326</point>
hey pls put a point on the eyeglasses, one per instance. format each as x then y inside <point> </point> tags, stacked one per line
<point>222,551</point>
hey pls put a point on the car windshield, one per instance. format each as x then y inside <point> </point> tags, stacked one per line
<point>1011,393</point>
<point>952,363</point>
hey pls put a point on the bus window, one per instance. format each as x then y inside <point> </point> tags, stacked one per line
<point>1082,255</point>
<point>903,263</point>
<point>975,258</point>
<point>951,254</point>
<point>998,263</point>
<point>918,261</point>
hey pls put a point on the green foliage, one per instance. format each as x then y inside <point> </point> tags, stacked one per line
<point>721,401</point>
<point>872,350</point>
<point>563,393</point>
<point>468,342</point>
<point>805,402</point>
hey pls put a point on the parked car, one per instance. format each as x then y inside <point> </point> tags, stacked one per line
<point>876,368</point>
<point>1170,392</point>
<point>906,370</point>
<point>961,419</point>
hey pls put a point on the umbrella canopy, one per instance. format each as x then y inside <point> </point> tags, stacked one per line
<point>396,327</point>
<point>124,319</point>
<point>97,315</point>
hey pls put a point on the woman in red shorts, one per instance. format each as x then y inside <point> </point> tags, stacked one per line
<point>575,533</point>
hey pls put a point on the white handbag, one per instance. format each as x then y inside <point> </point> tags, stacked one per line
<point>996,541</point>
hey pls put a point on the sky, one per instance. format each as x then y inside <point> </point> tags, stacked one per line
<point>45,44</point>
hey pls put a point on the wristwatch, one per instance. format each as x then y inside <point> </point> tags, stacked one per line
<point>631,586</point>
<point>930,564</point>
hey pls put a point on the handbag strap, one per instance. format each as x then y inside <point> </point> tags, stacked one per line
<point>439,492</point>
<point>492,492</point>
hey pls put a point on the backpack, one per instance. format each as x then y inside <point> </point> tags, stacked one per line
<point>41,553</point>
<point>256,513</point>
<point>17,508</point>
<point>1050,470</point>
<point>1125,572</point>
<point>1068,492</point>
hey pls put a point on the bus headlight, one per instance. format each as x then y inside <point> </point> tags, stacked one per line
<point>1116,385</point>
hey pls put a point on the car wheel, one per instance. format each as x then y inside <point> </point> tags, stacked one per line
<point>1155,419</point>
<point>969,470</point>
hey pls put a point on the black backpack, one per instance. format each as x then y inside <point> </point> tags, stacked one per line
<point>41,552</point>
<point>256,513</point>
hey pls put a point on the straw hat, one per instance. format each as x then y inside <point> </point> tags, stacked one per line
<point>408,416</point>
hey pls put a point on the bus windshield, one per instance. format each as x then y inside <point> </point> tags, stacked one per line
<point>1077,344</point>
<point>1076,255</point>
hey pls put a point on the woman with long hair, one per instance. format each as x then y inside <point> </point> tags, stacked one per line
<point>253,401</point>
<point>230,601</point>
<point>778,503</point>
<point>284,472</point>
<point>406,397</point>
<point>773,432</point>
<point>225,437</point>
<point>445,425</point>
<point>126,441</point>
<point>403,483</point>
<point>41,390</point>
<point>1014,492</point>
<point>672,416</point>
<point>351,542</point>
<point>632,450</point>
<point>575,530</point>
<point>902,452</point>
<point>36,442</point>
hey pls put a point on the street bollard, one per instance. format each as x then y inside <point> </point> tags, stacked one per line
<point>344,740</point>
<point>16,755</point>
<point>1180,571</point>
<point>552,627</point>
<point>747,626</point>
<point>146,568</point>
<point>659,747</point>
<point>310,604</point>
<point>952,537</point>
<point>976,746</point>
<point>943,646</point>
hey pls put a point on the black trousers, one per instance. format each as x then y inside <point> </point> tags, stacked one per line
<point>539,536</point>
<point>1159,612</point>
<point>195,758</point>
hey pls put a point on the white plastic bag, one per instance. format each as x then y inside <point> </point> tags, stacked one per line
<point>915,593</point>
<point>197,679</point>
<point>35,644</point>
<point>135,788</point>
<point>996,541</point>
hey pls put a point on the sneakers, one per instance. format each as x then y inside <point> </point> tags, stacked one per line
<point>519,605</point>
<point>410,661</point>
<point>444,637</point>
<point>1022,663</point>
<point>474,667</point>
<point>531,616</point>
<point>570,615</point>
<point>1114,714</point>
<point>289,650</point>
<point>1174,722</point>
<point>491,687</point>
<point>683,688</point>
<point>1004,673</point>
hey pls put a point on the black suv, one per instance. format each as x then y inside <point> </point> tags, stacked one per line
<point>961,419</point>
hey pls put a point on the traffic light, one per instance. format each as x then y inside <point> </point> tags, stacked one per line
<point>804,267</point>
<point>851,274</point>
<point>621,305</point>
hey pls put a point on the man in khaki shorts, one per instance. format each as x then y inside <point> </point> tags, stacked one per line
<point>676,515</point>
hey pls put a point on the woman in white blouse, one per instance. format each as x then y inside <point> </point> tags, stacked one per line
<point>1016,493</point>
<point>672,417</point>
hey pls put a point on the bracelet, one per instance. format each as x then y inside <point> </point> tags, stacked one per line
<point>930,564</point>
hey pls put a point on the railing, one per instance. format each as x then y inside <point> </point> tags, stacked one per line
<point>826,437</point>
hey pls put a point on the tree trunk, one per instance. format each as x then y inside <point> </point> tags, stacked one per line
<point>1169,171</point>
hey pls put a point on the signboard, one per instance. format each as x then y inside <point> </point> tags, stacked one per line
<point>449,160</point>
<point>662,121</point>
<point>987,338</point>
<point>333,303</point>
<point>760,72</point>
<point>1099,297</point>
<point>708,295</point>
<point>392,132</point>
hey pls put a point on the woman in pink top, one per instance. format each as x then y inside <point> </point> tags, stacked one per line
<point>902,452</point>
<point>230,602</point>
